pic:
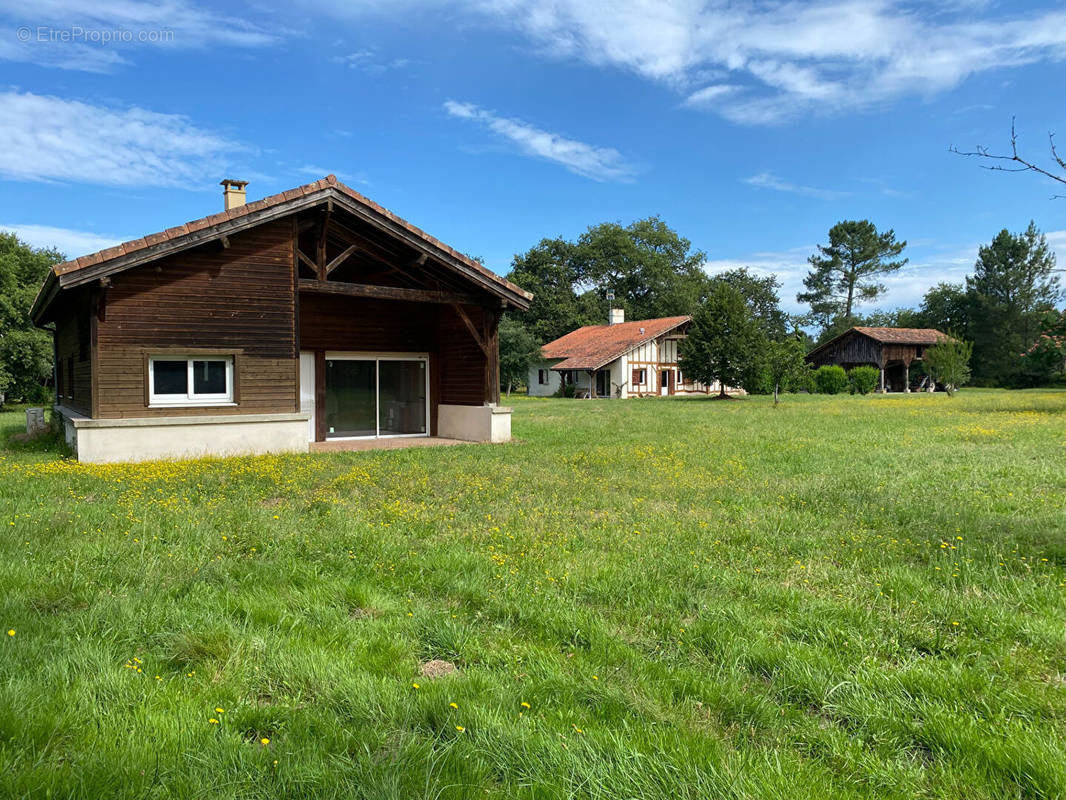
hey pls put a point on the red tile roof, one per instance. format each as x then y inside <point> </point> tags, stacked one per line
<point>594,346</point>
<point>330,181</point>
<point>903,335</point>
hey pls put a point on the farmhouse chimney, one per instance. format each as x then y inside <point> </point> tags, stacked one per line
<point>616,316</point>
<point>233,193</point>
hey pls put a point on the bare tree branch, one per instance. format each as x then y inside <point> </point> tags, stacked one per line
<point>1024,165</point>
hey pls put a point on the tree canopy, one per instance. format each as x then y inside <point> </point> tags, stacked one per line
<point>725,343</point>
<point>25,351</point>
<point>844,273</point>
<point>652,271</point>
<point>1011,289</point>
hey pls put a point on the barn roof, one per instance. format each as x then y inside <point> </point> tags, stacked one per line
<point>903,335</point>
<point>594,346</point>
<point>915,336</point>
<point>137,251</point>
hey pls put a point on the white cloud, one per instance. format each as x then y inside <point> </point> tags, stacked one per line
<point>760,62</point>
<point>96,35</point>
<point>590,161</point>
<point>69,242</point>
<point>928,266</point>
<point>905,287</point>
<point>767,180</point>
<point>47,138</point>
<point>370,62</point>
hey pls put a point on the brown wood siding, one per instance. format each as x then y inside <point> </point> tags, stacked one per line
<point>335,322</point>
<point>853,348</point>
<point>462,363</point>
<point>238,299</point>
<point>73,347</point>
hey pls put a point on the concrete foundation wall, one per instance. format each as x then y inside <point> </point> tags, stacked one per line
<point>99,441</point>
<point>474,423</point>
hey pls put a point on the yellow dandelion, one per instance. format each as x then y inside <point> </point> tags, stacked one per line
<point>415,686</point>
<point>213,721</point>
<point>453,705</point>
<point>525,704</point>
<point>220,711</point>
<point>11,632</point>
<point>954,623</point>
<point>460,728</point>
<point>264,741</point>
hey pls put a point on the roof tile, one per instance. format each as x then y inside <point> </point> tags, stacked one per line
<point>272,200</point>
<point>594,346</point>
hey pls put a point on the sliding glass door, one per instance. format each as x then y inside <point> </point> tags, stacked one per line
<point>371,397</point>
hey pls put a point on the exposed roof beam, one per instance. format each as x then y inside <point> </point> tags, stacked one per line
<point>385,292</point>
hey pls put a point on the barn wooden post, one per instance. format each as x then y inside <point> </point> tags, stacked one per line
<point>882,378</point>
<point>907,375</point>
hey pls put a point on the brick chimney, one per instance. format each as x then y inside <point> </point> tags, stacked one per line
<point>616,316</point>
<point>233,193</point>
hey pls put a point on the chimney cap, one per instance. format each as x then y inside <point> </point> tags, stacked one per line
<point>227,182</point>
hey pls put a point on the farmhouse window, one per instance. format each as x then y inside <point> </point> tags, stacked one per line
<point>639,376</point>
<point>542,377</point>
<point>190,380</point>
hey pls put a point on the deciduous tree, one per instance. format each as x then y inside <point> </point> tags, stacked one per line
<point>725,344</point>
<point>25,351</point>
<point>948,362</point>
<point>785,364</point>
<point>518,351</point>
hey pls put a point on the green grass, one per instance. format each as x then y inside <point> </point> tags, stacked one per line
<point>843,597</point>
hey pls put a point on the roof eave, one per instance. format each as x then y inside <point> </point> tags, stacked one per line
<point>512,295</point>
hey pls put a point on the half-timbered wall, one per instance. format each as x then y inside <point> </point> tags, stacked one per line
<point>238,300</point>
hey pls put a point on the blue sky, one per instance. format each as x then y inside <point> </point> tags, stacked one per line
<point>751,128</point>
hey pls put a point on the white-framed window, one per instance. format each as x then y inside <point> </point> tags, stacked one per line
<point>190,380</point>
<point>640,376</point>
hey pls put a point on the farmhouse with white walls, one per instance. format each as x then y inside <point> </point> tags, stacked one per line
<point>619,360</point>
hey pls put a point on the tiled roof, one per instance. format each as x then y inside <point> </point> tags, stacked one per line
<point>593,346</point>
<point>330,181</point>
<point>903,335</point>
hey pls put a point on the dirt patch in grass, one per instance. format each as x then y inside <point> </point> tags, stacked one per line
<point>437,668</point>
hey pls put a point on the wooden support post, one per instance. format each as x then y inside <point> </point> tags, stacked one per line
<point>320,395</point>
<point>882,380</point>
<point>907,376</point>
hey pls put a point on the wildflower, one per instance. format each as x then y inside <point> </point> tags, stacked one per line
<point>220,711</point>
<point>11,632</point>
<point>460,728</point>
<point>525,704</point>
<point>264,741</point>
<point>453,705</point>
<point>954,623</point>
<point>415,686</point>
<point>213,721</point>
<point>595,677</point>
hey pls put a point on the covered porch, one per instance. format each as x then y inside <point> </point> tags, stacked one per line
<point>393,343</point>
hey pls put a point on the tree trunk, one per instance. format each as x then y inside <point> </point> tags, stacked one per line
<point>851,295</point>
<point>775,394</point>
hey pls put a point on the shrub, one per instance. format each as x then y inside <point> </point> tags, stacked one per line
<point>863,380</point>
<point>830,379</point>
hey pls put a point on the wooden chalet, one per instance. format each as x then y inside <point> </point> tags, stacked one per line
<point>891,350</point>
<point>308,316</point>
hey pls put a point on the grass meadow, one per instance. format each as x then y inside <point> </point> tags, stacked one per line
<point>848,597</point>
